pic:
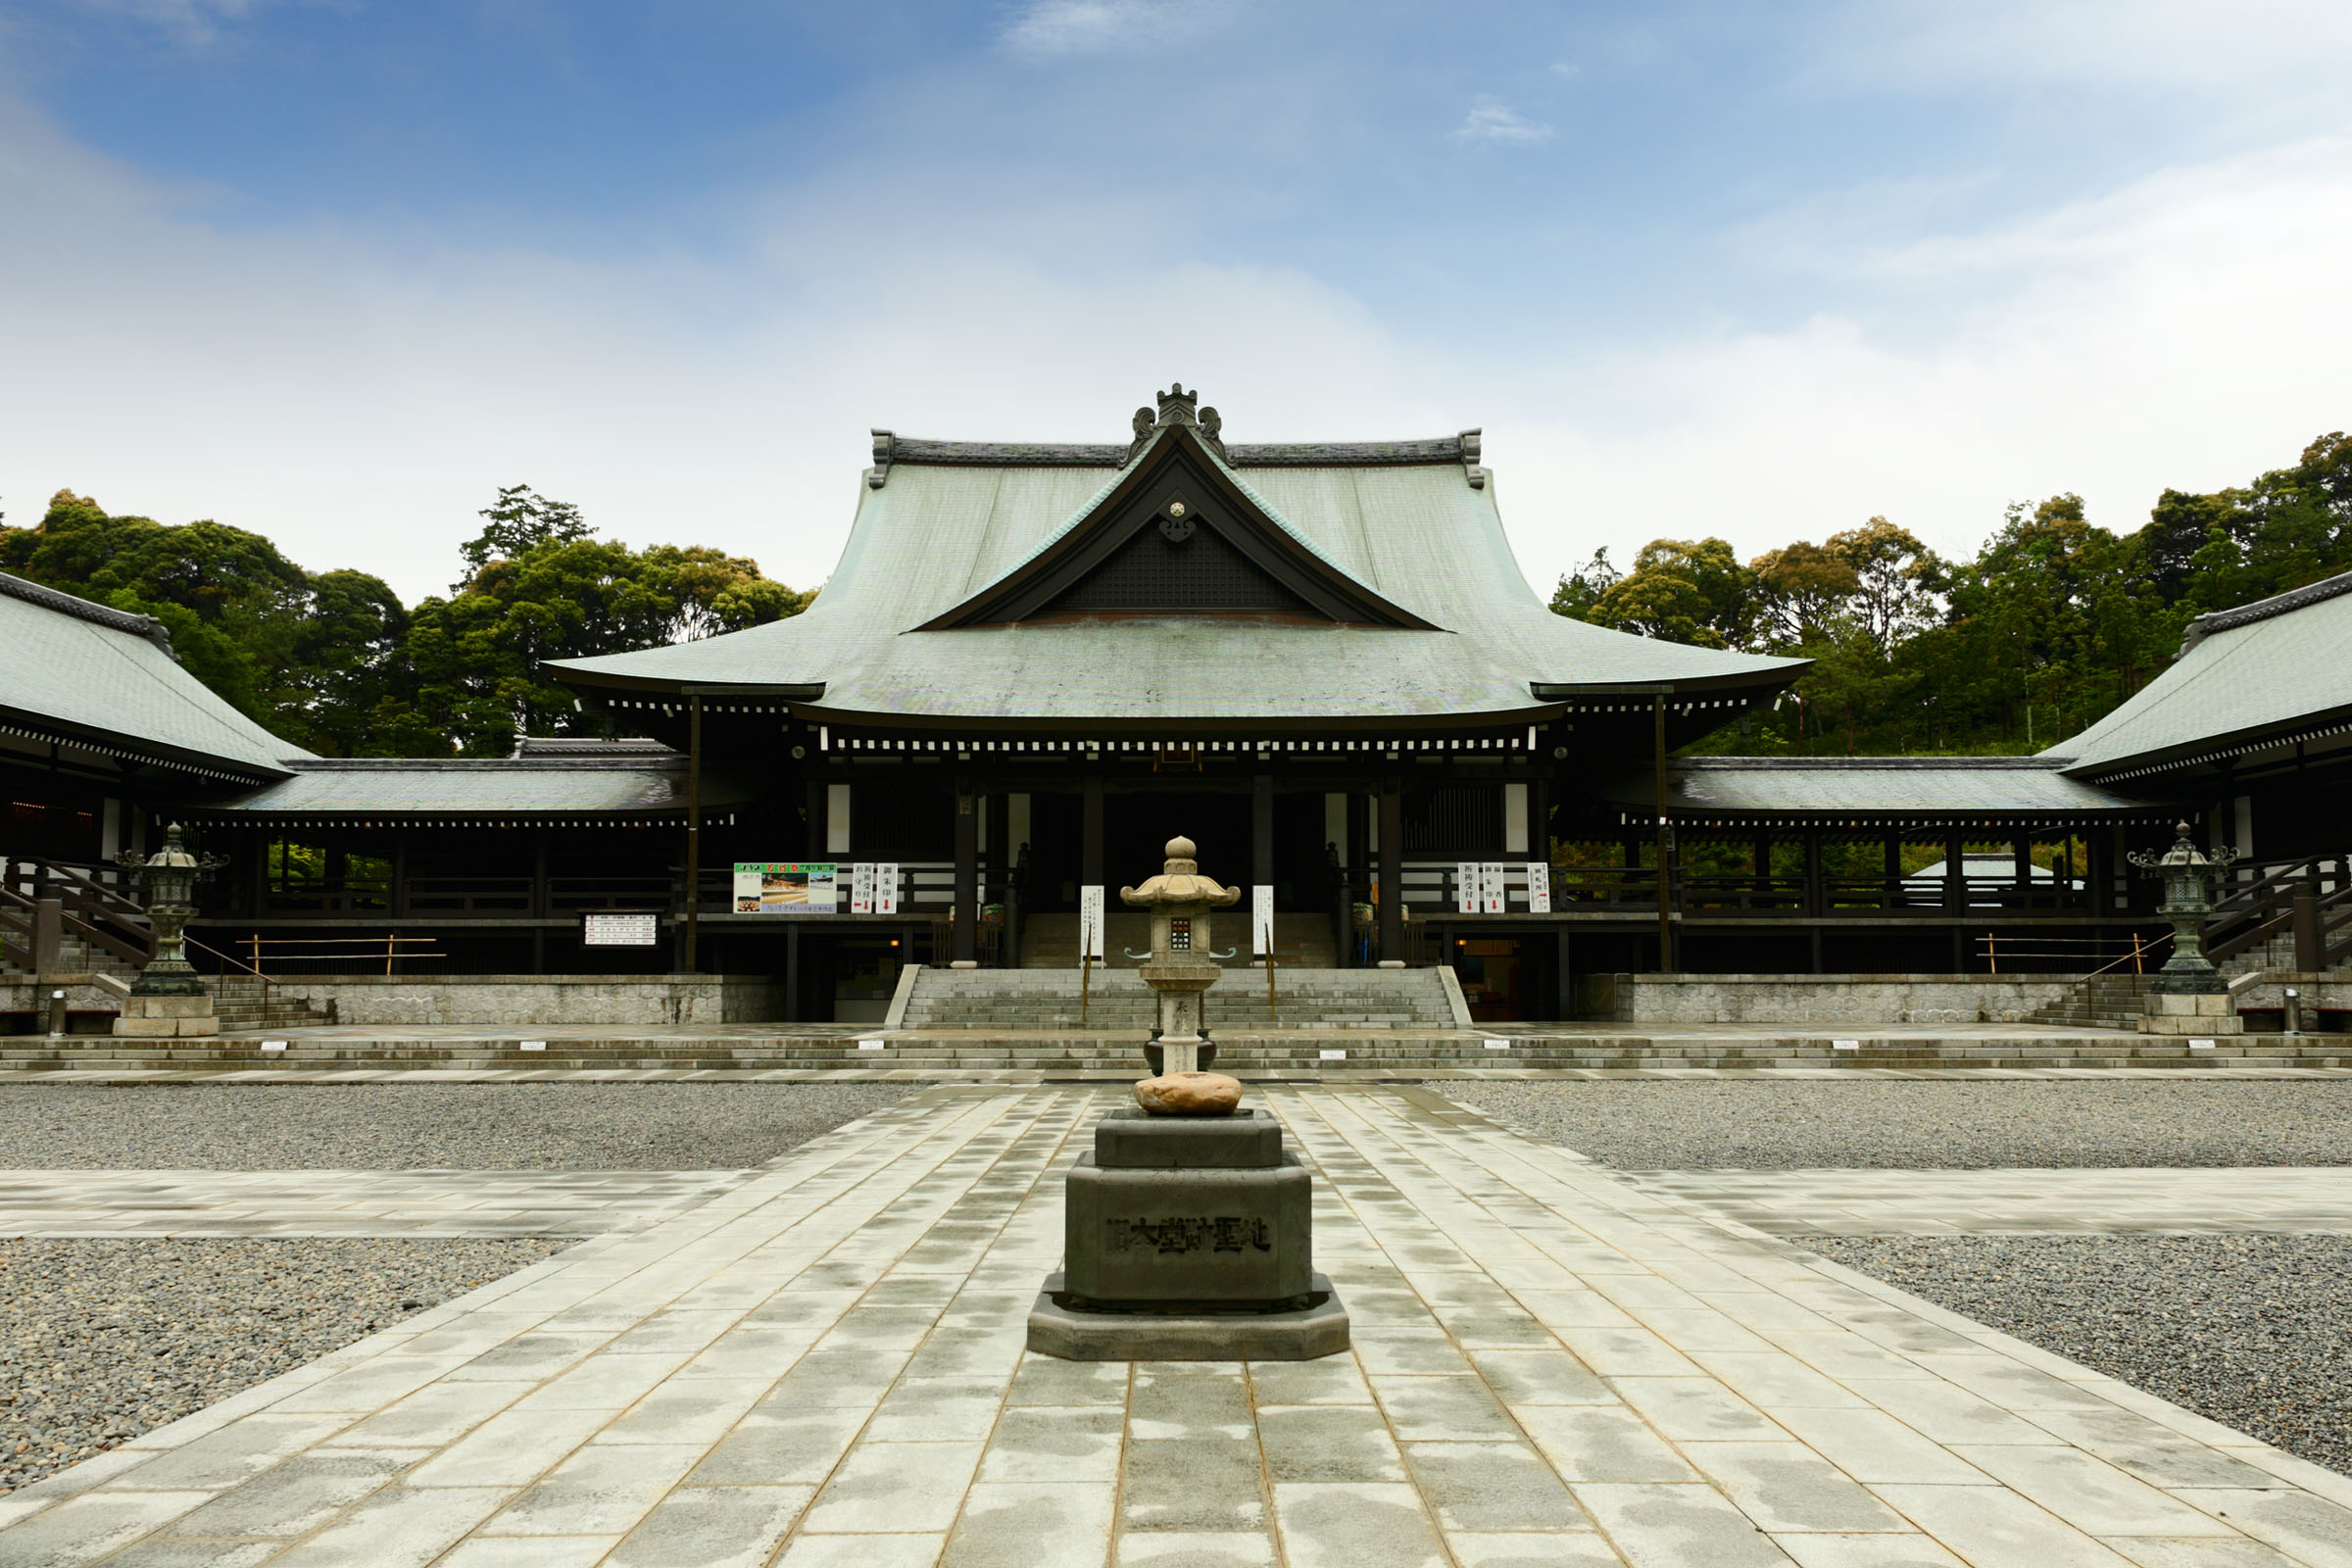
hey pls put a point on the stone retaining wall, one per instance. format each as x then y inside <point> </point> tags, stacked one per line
<point>1819,999</point>
<point>516,1000</point>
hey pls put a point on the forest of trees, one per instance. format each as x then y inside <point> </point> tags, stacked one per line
<point>336,662</point>
<point>2051,625</point>
<point>2054,622</point>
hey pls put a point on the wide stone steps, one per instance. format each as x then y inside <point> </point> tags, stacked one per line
<point>1286,1054</point>
<point>1035,1000</point>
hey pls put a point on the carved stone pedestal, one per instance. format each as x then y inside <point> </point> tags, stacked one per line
<point>1188,1239</point>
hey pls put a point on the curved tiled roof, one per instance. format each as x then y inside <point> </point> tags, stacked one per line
<point>70,668</point>
<point>2255,676</point>
<point>1411,522</point>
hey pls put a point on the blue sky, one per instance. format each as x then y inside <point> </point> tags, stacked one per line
<point>337,270</point>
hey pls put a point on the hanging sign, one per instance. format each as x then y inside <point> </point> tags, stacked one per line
<point>1466,880</point>
<point>1539,887</point>
<point>886,887</point>
<point>1492,898</point>
<point>862,887</point>
<point>1261,921</point>
<point>785,886</point>
<point>1089,922</point>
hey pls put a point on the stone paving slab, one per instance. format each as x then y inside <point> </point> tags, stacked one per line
<point>823,1364</point>
<point>2283,1199</point>
<point>346,1202</point>
<point>1025,1077</point>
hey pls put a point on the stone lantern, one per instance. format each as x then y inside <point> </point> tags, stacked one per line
<point>169,998</point>
<point>2187,996</point>
<point>2188,876</point>
<point>1181,966</point>
<point>1188,1231</point>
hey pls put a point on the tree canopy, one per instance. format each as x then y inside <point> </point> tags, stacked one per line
<point>2050,625</point>
<point>336,662</point>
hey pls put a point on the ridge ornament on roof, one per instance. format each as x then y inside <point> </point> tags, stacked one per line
<point>1177,536</point>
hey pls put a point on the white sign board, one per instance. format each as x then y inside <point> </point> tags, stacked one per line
<point>603,928</point>
<point>1492,896</point>
<point>1466,880</point>
<point>1090,923</point>
<point>1261,921</point>
<point>1539,887</point>
<point>886,887</point>
<point>862,887</point>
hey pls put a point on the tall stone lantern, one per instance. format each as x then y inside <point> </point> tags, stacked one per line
<point>2187,874</point>
<point>170,998</point>
<point>1188,1231</point>
<point>2189,996</point>
<point>1181,966</point>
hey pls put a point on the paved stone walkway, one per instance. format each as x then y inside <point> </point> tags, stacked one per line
<point>2276,1200</point>
<point>823,1365</point>
<point>346,1202</point>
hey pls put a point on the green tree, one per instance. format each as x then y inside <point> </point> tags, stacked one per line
<point>479,655</point>
<point>1801,591</point>
<point>1581,590</point>
<point>1683,591</point>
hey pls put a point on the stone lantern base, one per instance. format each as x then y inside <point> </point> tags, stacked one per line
<point>167,1017</point>
<point>1188,1239</point>
<point>2189,1012</point>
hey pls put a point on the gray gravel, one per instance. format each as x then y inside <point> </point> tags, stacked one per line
<point>550,1126</point>
<point>1796,1124</point>
<point>103,1340</point>
<point>2254,1332</point>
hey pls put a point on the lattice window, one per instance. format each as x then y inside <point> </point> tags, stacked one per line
<point>1149,573</point>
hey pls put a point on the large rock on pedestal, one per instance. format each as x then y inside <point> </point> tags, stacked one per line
<point>1188,1094</point>
<point>1188,1239</point>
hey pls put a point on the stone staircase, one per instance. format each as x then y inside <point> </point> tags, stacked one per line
<point>1018,1001</point>
<point>245,1004</point>
<point>75,956</point>
<point>1050,940</point>
<point>2103,1002</point>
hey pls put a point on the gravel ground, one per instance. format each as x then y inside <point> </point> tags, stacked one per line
<point>2252,1331</point>
<point>1796,1124</point>
<point>552,1126</point>
<point>103,1340</point>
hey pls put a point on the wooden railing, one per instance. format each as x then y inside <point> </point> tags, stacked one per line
<point>2307,898</point>
<point>43,902</point>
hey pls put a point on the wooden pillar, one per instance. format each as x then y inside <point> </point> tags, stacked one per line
<point>2098,847</point>
<point>1392,867</point>
<point>1261,842</point>
<point>1817,900</point>
<point>967,871</point>
<point>1089,850</point>
<point>792,971</point>
<point>1563,974</point>
<point>1665,871</point>
<point>819,800</point>
<point>1894,873</point>
<point>689,953</point>
<point>1955,873</point>
<point>998,882</point>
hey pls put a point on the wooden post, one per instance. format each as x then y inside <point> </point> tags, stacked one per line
<point>1090,842</point>
<point>1665,871</point>
<point>689,955</point>
<point>967,871</point>
<point>1392,868</point>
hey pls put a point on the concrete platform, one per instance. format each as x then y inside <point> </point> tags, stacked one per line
<point>1306,1335</point>
<point>825,1366</point>
<point>1310,1053</point>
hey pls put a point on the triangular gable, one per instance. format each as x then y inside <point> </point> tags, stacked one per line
<point>1176,535</point>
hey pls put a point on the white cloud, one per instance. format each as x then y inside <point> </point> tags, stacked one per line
<point>2188,330</point>
<point>1490,120</point>
<point>1051,29</point>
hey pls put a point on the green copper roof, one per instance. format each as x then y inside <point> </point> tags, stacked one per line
<point>70,668</point>
<point>932,532</point>
<point>2246,677</point>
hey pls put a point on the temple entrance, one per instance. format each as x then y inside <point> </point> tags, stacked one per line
<point>1136,830</point>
